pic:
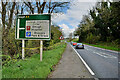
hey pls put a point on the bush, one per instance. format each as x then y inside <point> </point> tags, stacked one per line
<point>116,42</point>
<point>55,46</point>
<point>92,39</point>
<point>13,47</point>
<point>110,39</point>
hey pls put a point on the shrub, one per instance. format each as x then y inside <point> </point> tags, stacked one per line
<point>92,39</point>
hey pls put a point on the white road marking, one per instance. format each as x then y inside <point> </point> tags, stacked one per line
<point>109,56</point>
<point>99,54</point>
<point>104,55</point>
<point>103,49</point>
<point>89,69</point>
<point>96,78</point>
<point>87,48</point>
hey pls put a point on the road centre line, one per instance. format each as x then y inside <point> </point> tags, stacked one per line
<point>104,55</point>
<point>100,54</point>
<point>102,49</point>
<point>89,69</point>
<point>86,48</point>
<point>109,55</point>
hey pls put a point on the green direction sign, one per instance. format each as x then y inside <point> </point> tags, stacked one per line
<point>33,27</point>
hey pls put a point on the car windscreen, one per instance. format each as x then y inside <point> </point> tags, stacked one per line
<point>79,43</point>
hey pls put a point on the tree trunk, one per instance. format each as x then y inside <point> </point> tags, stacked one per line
<point>3,24</point>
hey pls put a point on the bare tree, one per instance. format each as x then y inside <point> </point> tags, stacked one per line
<point>7,18</point>
<point>29,4</point>
<point>10,17</point>
<point>53,6</point>
<point>50,7</point>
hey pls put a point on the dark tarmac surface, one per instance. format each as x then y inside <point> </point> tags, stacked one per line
<point>70,66</point>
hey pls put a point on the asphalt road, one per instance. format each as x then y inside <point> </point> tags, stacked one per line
<point>104,63</point>
<point>70,66</point>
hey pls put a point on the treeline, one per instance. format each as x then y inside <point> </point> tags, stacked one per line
<point>11,48</point>
<point>102,24</point>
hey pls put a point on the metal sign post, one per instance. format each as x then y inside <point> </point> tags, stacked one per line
<point>23,49</point>
<point>41,49</point>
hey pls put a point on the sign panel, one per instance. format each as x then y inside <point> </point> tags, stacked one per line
<point>37,28</point>
<point>33,27</point>
<point>61,37</point>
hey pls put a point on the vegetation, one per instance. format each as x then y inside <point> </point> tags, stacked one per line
<point>31,67</point>
<point>75,40</point>
<point>105,45</point>
<point>11,48</point>
<point>101,25</point>
<point>0,37</point>
<point>13,66</point>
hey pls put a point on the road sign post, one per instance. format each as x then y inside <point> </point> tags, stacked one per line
<point>23,49</point>
<point>41,49</point>
<point>33,27</point>
<point>61,38</point>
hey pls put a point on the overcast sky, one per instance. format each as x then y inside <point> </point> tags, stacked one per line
<point>70,20</point>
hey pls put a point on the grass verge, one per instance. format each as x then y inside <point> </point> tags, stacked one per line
<point>32,67</point>
<point>104,45</point>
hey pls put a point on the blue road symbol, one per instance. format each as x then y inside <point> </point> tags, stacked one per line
<point>28,34</point>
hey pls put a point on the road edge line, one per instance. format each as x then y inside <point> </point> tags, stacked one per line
<point>89,69</point>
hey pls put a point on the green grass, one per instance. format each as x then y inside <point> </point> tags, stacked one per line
<point>105,46</point>
<point>32,67</point>
<point>75,40</point>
